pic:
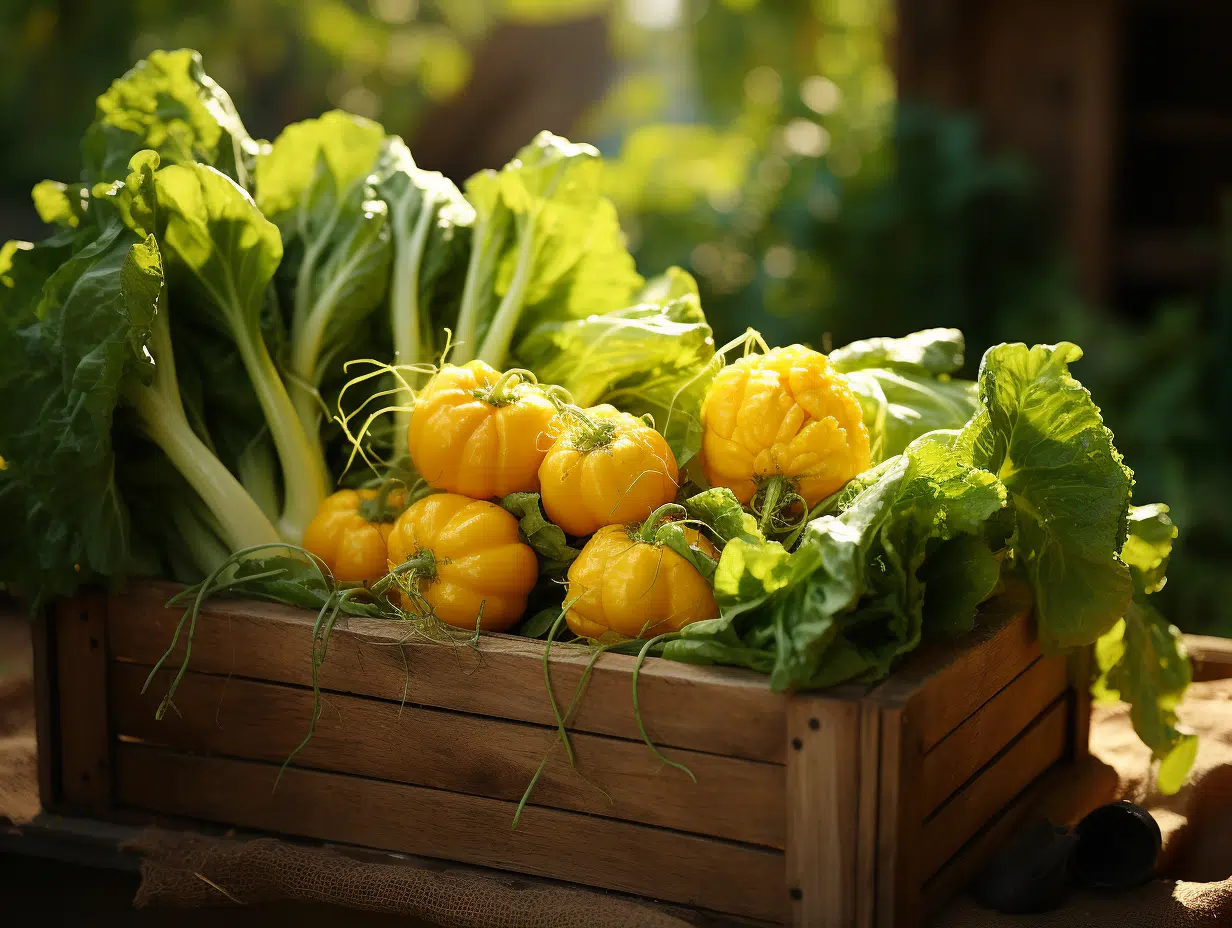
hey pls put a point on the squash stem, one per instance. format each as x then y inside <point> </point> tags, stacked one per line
<point>648,529</point>
<point>775,489</point>
<point>505,390</point>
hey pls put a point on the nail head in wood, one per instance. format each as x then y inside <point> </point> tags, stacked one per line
<point>814,724</point>
<point>797,744</point>
<point>796,893</point>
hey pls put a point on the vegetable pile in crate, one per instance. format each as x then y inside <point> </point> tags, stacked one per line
<point>312,372</point>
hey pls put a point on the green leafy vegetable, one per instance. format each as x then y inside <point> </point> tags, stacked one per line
<point>904,386</point>
<point>431,221</point>
<point>1142,658</point>
<point>314,185</point>
<point>849,599</point>
<point>546,244</point>
<point>224,252</point>
<point>722,513</point>
<point>931,352</point>
<point>97,336</point>
<point>547,538</point>
<point>167,103</point>
<point>1044,438</point>
<point>656,356</point>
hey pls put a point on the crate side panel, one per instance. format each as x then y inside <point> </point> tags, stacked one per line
<point>736,799</point>
<point>981,737</point>
<point>823,784</point>
<point>1036,749</point>
<point>84,739</point>
<point>719,710</point>
<point>655,862</point>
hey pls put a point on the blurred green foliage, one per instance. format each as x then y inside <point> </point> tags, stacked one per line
<point>755,142</point>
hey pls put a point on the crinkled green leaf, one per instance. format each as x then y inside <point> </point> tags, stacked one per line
<point>655,358</point>
<point>958,576</point>
<point>547,538</point>
<point>722,513</point>
<point>1149,545</point>
<point>900,406</point>
<point>1143,662</point>
<point>929,353</point>
<point>1045,439</point>
<point>169,104</point>
<point>849,599</point>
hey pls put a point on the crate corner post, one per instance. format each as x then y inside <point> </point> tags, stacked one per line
<point>823,775</point>
<point>73,720</point>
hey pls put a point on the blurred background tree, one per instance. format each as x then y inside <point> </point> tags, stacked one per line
<point>758,143</point>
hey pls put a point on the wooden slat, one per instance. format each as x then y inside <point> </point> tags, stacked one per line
<point>1211,657</point>
<point>823,782</point>
<point>977,740</point>
<point>720,710</point>
<point>1064,795</point>
<point>867,833</point>
<point>668,865</point>
<point>947,682</point>
<point>46,707</point>
<point>969,811</point>
<point>81,682</point>
<point>737,799</point>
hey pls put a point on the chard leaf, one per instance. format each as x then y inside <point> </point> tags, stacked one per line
<point>64,356</point>
<point>169,104</point>
<point>928,353</point>
<point>547,538</point>
<point>1041,434</point>
<point>316,184</point>
<point>547,244</point>
<point>60,204</point>
<point>222,254</point>
<point>652,357</point>
<point>959,575</point>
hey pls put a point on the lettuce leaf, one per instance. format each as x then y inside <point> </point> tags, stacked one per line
<point>904,386</point>
<point>547,538</point>
<point>1044,438</point>
<point>850,598</point>
<point>1142,658</point>
<point>930,352</point>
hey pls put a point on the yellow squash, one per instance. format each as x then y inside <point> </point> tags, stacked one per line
<point>604,467</point>
<point>624,585</point>
<point>349,533</point>
<point>480,433</point>
<point>457,553</point>
<point>788,414</point>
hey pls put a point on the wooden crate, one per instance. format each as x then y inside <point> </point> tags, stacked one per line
<point>856,806</point>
